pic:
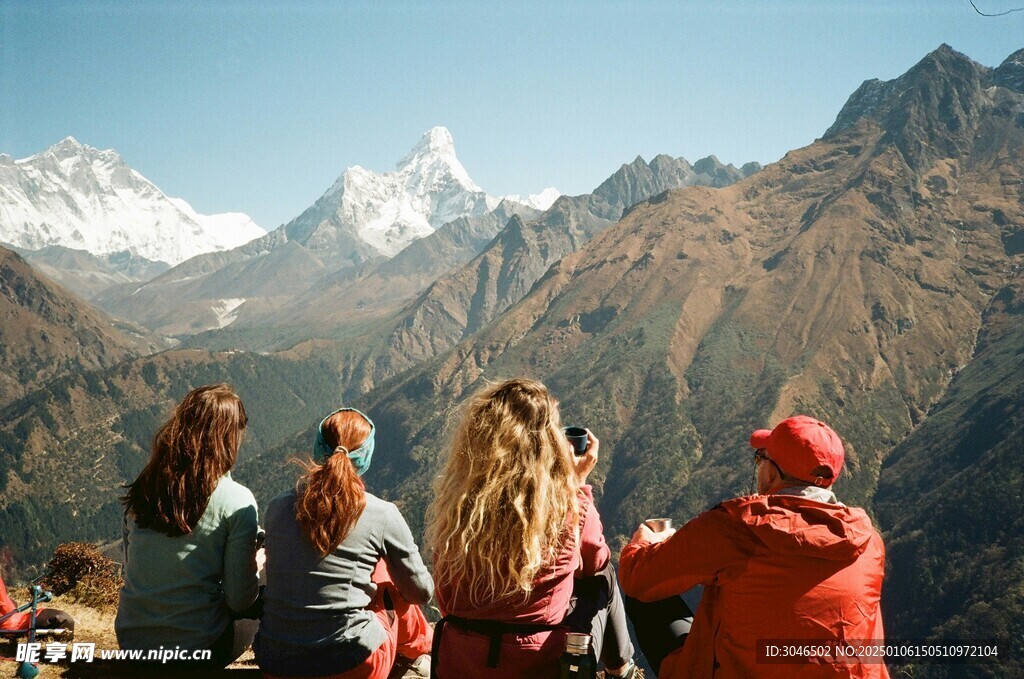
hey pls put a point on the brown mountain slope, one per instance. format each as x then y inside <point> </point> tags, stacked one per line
<point>339,304</point>
<point>383,342</point>
<point>46,331</point>
<point>185,299</point>
<point>292,292</point>
<point>469,298</point>
<point>87,274</point>
<point>848,281</point>
<point>469,290</point>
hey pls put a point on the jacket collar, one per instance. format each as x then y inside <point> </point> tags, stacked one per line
<point>811,493</point>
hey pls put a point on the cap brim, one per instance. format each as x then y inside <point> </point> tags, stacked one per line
<point>759,439</point>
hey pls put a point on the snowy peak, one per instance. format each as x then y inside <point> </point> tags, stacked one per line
<point>79,197</point>
<point>434,157</point>
<point>70,155</point>
<point>435,142</point>
<point>68,146</point>
<point>538,201</point>
<point>367,213</point>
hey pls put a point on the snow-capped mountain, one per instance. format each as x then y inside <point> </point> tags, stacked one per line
<point>381,213</point>
<point>538,201</point>
<point>79,197</point>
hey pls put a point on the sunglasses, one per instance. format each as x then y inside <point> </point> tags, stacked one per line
<point>762,454</point>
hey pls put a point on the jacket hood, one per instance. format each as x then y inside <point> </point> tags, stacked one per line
<point>797,525</point>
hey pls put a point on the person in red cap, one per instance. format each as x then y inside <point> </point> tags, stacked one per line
<point>787,573</point>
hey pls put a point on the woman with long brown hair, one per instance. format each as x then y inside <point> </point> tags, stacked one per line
<point>190,535</point>
<point>344,575</point>
<point>519,556</point>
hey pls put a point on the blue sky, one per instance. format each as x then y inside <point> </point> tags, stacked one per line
<point>258,107</point>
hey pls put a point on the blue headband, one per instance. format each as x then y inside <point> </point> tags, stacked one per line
<point>360,457</point>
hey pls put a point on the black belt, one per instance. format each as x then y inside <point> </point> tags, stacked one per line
<point>493,629</point>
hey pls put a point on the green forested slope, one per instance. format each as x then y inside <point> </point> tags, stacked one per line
<point>951,502</point>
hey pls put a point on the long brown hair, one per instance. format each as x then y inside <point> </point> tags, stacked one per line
<point>331,496</point>
<point>506,496</point>
<point>191,452</point>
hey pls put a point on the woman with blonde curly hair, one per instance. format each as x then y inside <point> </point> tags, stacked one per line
<point>519,555</point>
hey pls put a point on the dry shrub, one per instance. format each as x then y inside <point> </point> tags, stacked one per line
<point>86,576</point>
<point>97,591</point>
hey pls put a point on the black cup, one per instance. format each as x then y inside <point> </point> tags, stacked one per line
<point>578,438</point>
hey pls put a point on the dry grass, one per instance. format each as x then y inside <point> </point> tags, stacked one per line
<point>91,624</point>
<point>86,586</point>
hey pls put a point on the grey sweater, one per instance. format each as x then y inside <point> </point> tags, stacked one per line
<point>315,616</point>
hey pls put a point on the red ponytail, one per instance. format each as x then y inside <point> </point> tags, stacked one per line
<point>331,496</point>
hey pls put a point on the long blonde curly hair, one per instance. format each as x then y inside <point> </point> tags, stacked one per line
<point>507,498</point>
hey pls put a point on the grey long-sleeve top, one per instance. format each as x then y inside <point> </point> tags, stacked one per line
<point>319,604</point>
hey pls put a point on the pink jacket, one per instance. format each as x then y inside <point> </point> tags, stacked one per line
<point>464,654</point>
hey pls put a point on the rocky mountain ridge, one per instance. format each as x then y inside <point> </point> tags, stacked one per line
<point>466,297</point>
<point>291,290</point>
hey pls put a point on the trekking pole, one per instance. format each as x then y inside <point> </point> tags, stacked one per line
<point>27,670</point>
<point>19,609</point>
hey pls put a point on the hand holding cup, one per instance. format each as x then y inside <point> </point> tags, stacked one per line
<point>578,439</point>
<point>654,530</point>
<point>584,462</point>
<point>659,525</point>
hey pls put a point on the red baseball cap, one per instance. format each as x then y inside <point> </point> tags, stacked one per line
<point>799,445</point>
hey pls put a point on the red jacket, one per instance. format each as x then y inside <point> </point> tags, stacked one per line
<point>16,621</point>
<point>773,567</point>
<point>464,654</point>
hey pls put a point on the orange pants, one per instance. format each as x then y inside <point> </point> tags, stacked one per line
<point>409,634</point>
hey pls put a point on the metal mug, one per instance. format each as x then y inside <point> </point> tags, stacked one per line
<point>658,525</point>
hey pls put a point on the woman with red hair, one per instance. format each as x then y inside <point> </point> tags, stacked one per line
<point>344,575</point>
